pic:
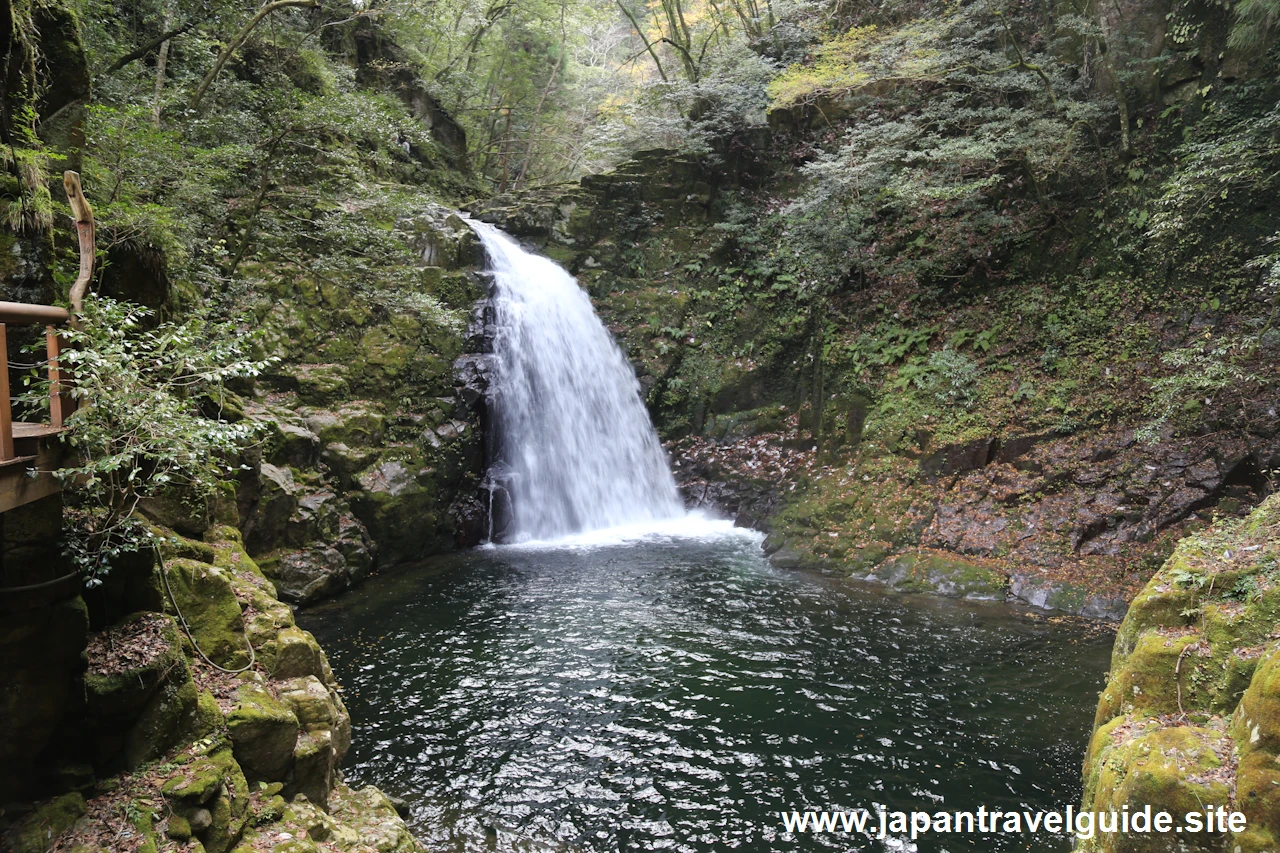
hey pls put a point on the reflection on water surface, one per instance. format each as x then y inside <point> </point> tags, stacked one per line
<point>675,692</point>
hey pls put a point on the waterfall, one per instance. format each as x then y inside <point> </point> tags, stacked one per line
<point>575,449</point>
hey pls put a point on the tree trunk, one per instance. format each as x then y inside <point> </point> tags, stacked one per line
<point>162,60</point>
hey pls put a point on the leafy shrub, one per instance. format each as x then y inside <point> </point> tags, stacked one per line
<point>140,429</point>
<point>955,378</point>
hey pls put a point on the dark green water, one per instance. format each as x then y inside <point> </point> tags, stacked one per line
<point>677,693</point>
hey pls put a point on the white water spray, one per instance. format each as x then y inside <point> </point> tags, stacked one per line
<point>576,450</point>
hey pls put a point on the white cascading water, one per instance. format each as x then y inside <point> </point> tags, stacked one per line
<point>576,449</point>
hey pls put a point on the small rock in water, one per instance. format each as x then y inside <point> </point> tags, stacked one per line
<point>401,807</point>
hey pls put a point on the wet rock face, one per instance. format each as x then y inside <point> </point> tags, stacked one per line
<point>370,440</point>
<point>1063,519</point>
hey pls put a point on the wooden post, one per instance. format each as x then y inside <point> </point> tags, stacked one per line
<point>57,402</point>
<point>85,228</point>
<point>6,409</point>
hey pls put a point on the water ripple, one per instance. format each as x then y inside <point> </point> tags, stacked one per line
<point>676,693</point>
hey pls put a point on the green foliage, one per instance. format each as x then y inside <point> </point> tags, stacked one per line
<point>1229,163</point>
<point>29,205</point>
<point>954,127</point>
<point>1200,372</point>
<point>147,423</point>
<point>956,378</point>
<point>1255,21</point>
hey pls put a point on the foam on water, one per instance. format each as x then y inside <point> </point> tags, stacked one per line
<point>691,527</point>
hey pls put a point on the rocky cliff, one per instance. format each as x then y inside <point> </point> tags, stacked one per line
<point>979,441</point>
<point>1190,717</point>
<point>207,716</point>
<point>178,703</point>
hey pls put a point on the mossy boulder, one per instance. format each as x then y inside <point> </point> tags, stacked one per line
<point>944,574</point>
<point>1178,769</point>
<point>37,831</point>
<point>399,504</point>
<point>263,731</point>
<point>209,605</point>
<point>210,796</point>
<point>1256,730</point>
<point>294,653</point>
<point>179,509</point>
<point>119,683</point>
<point>277,499</point>
<point>172,717</point>
<point>358,821</point>
<point>314,767</point>
<point>1146,683</point>
<point>321,384</point>
<point>1190,717</point>
<point>138,691</point>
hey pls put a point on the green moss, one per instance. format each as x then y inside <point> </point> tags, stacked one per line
<point>220,533</point>
<point>1258,797</point>
<point>293,653</point>
<point>208,715</point>
<point>1203,626</point>
<point>205,596</point>
<point>1159,605</point>
<point>1256,725</point>
<point>173,547</point>
<point>179,828</point>
<point>387,353</point>
<point>320,384</point>
<point>355,424</point>
<point>36,832</point>
<point>231,556</point>
<point>263,731</point>
<point>944,574</point>
<point>169,720</point>
<point>1145,684</point>
<point>1168,768</point>
<point>152,705</point>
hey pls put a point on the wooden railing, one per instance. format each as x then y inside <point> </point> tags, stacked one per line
<point>23,445</point>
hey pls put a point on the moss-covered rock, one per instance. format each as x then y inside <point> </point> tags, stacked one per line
<point>36,832</point>
<point>204,596</point>
<point>944,574</point>
<point>263,731</point>
<point>1190,717</point>
<point>138,691</point>
<point>1178,769</point>
<point>1256,730</point>
<point>1145,684</point>
<point>357,821</point>
<point>210,797</point>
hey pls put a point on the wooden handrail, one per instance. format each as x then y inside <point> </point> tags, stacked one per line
<point>60,405</point>
<point>26,314</point>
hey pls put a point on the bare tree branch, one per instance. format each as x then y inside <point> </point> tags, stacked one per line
<point>239,40</point>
